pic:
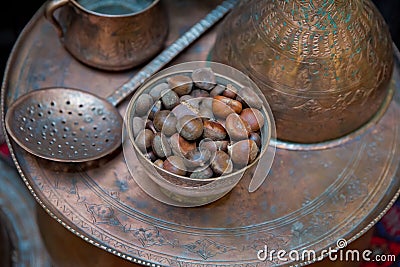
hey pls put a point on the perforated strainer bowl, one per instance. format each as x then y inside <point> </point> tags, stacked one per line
<point>64,124</point>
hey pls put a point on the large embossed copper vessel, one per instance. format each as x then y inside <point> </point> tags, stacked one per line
<point>323,65</point>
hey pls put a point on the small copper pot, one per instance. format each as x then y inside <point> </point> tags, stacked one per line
<point>324,66</point>
<point>110,35</point>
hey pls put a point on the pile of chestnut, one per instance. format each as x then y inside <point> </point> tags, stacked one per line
<point>190,125</point>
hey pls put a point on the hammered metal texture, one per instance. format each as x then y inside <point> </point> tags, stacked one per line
<point>324,66</point>
<point>310,199</point>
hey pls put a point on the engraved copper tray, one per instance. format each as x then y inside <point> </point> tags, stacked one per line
<point>310,199</point>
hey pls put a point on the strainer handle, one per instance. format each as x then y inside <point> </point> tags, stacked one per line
<point>172,51</point>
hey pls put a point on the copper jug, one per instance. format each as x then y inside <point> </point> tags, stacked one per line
<point>324,66</point>
<point>110,35</point>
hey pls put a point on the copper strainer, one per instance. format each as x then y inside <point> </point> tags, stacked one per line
<point>70,125</point>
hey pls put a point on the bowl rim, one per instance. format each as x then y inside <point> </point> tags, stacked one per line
<point>160,77</point>
<point>83,8</point>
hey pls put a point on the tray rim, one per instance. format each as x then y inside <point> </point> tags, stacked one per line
<point>66,223</point>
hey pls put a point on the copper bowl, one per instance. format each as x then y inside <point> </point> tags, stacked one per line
<point>324,67</point>
<point>185,191</point>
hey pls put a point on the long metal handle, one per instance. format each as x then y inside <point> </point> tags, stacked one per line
<point>172,51</point>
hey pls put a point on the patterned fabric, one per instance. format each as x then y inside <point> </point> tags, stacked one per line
<point>4,150</point>
<point>386,239</point>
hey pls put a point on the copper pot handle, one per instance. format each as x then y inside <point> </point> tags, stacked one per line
<point>49,10</point>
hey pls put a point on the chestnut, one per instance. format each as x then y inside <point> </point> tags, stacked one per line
<point>160,146</point>
<point>190,127</point>
<point>217,90</point>
<point>243,152</point>
<point>143,104</point>
<point>181,84</point>
<point>222,163</point>
<point>204,78</point>
<point>144,140</point>
<point>188,107</point>
<point>175,165</point>
<point>213,130</point>
<point>205,112</point>
<point>154,109</point>
<point>199,93</point>
<point>206,102</point>
<point>230,91</point>
<point>253,118</point>
<point>155,92</point>
<point>249,98</point>
<point>205,108</point>
<point>137,125</point>
<point>197,158</point>
<point>202,173</point>
<point>213,146</point>
<point>236,127</point>
<point>185,98</point>
<point>159,163</point>
<point>180,146</point>
<point>169,99</point>
<point>256,138</point>
<point>223,106</point>
<point>165,121</point>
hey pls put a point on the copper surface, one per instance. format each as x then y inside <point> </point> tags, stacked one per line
<point>67,249</point>
<point>110,42</point>
<point>70,125</point>
<point>324,67</point>
<point>310,199</point>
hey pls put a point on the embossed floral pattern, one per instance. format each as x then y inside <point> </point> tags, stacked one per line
<point>151,237</point>
<point>207,248</point>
